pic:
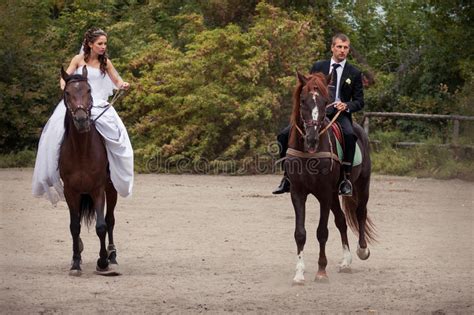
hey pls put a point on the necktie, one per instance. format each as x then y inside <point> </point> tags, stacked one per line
<point>333,82</point>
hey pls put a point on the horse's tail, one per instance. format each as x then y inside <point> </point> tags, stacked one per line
<point>87,213</point>
<point>350,206</point>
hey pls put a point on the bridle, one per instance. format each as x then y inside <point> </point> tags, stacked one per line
<point>311,122</point>
<point>79,107</point>
<point>317,123</point>
<point>314,122</point>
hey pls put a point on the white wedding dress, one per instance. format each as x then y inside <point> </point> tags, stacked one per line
<point>46,179</point>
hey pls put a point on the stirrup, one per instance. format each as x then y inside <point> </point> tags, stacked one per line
<point>347,192</point>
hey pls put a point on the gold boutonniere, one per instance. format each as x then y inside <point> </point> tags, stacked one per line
<point>348,81</point>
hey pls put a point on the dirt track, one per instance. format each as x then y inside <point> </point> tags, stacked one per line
<point>190,244</point>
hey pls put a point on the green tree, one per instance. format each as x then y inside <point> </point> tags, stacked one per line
<point>225,95</point>
<point>26,83</point>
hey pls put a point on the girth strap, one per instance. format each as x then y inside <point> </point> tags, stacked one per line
<point>317,155</point>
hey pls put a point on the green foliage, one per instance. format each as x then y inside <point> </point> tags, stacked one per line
<point>24,89</point>
<point>213,79</point>
<point>223,96</point>
<point>430,160</point>
<point>391,161</point>
<point>24,158</point>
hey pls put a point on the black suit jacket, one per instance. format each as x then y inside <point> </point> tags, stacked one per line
<point>350,90</point>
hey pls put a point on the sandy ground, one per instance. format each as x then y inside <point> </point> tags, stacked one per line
<point>192,244</point>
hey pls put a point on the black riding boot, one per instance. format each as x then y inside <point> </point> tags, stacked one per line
<point>284,186</point>
<point>345,187</point>
<point>283,143</point>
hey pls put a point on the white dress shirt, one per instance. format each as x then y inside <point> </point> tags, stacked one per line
<point>339,75</point>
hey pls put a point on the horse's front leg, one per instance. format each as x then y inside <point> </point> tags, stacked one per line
<point>299,204</point>
<point>111,197</point>
<point>101,230</point>
<point>340,219</point>
<point>322,234</point>
<point>73,202</point>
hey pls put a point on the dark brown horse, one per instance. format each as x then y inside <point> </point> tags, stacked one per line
<point>313,167</point>
<point>83,167</point>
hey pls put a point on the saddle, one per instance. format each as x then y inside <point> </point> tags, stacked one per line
<point>336,129</point>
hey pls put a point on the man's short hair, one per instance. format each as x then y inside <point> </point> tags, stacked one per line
<point>340,36</point>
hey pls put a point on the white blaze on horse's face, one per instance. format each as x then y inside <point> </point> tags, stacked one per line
<point>315,112</point>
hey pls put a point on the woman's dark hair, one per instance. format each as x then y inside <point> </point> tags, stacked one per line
<point>90,37</point>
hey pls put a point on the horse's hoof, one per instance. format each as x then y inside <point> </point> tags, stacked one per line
<point>111,249</point>
<point>75,272</point>
<point>108,271</point>
<point>298,280</point>
<point>112,258</point>
<point>363,253</point>
<point>344,269</point>
<point>112,254</point>
<point>102,263</point>
<point>321,278</point>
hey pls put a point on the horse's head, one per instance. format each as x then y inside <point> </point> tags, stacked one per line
<point>78,99</point>
<point>311,97</point>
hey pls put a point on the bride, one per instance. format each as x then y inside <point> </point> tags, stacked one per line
<point>103,79</point>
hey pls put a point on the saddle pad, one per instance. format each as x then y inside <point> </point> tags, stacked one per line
<point>336,129</point>
<point>357,155</point>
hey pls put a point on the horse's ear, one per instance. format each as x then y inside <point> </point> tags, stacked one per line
<point>303,80</point>
<point>64,74</point>
<point>328,79</point>
<point>84,71</point>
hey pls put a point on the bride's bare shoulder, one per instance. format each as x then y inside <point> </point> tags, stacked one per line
<point>78,59</point>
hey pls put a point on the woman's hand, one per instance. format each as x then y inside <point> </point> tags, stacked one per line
<point>125,85</point>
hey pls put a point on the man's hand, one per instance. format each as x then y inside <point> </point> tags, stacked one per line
<point>341,106</point>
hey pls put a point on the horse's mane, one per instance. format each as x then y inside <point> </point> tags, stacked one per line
<point>76,77</point>
<point>315,81</point>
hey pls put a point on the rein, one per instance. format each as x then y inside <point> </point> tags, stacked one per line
<point>330,123</point>
<point>114,99</point>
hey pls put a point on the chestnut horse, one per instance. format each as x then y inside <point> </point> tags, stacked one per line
<point>83,167</point>
<point>313,167</point>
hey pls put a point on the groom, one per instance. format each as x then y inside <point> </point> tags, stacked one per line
<point>346,92</point>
